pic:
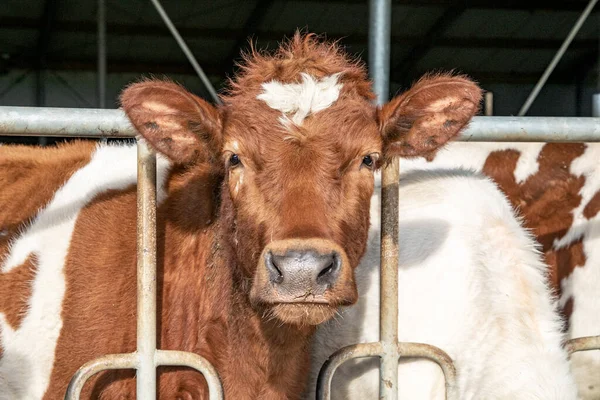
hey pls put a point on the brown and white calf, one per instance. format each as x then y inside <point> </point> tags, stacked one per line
<point>263,216</point>
<point>555,189</point>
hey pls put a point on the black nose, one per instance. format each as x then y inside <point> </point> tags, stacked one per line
<point>303,272</point>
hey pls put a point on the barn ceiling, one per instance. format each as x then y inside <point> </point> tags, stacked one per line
<point>501,41</point>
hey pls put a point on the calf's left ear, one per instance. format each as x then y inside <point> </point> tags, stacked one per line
<point>432,112</point>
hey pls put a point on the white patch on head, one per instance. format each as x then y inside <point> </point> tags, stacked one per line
<point>301,99</point>
<point>29,351</point>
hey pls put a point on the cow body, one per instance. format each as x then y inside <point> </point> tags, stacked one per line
<point>262,219</point>
<point>470,283</point>
<point>73,270</point>
<point>555,189</point>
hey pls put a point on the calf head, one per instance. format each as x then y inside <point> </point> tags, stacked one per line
<point>298,140</point>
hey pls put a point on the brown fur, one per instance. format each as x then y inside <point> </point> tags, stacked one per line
<point>546,201</point>
<point>304,187</point>
<point>15,289</point>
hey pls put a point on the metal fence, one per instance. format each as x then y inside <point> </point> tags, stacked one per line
<point>26,121</point>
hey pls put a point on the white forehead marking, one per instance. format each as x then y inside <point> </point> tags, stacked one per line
<point>301,99</point>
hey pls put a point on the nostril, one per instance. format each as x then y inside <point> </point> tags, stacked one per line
<point>328,275</point>
<point>326,271</point>
<point>275,275</point>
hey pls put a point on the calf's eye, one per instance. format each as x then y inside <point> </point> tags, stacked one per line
<point>234,160</point>
<point>367,161</point>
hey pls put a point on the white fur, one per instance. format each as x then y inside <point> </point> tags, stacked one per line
<point>301,99</point>
<point>584,285</point>
<point>26,364</point>
<point>471,283</point>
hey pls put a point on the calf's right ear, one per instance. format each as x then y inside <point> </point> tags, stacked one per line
<point>175,122</point>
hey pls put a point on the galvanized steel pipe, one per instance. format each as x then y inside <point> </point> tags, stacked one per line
<point>583,344</point>
<point>91,122</point>
<point>146,272</point>
<point>101,54</point>
<point>380,20</point>
<point>89,369</point>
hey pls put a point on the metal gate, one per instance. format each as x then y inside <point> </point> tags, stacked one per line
<point>29,121</point>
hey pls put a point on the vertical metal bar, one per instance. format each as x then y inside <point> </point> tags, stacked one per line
<point>557,57</point>
<point>379,58</point>
<point>146,272</point>
<point>186,51</point>
<point>489,104</point>
<point>101,54</point>
<point>380,20</point>
<point>40,97</point>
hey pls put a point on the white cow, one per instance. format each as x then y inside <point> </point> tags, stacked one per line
<point>471,282</point>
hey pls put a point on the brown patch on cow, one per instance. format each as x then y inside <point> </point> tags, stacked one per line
<point>592,207</point>
<point>545,200</point>
<point>15,291</point>
<point>564,260</point>
<point>99,306</point>
<point>29,177</point>
<point>567,309</point>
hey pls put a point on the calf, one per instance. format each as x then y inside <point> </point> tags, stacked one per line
<point>263,216</point>
<point>471,283</point>
<point>556,189</point>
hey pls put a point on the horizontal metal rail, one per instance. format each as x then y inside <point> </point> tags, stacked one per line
<point>91,122</point>
<point>585,343</point>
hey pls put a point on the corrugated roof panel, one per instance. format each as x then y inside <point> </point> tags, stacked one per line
<point>414,21</point>
<point>487,23</point>
<point>73,46</point>
<point>22,8</point>
<point>514,60</point>
<point>548,25</point>
<point>273,15</point>
<point>328,18</point>
<point>76,10</point>
<point>17,40</point>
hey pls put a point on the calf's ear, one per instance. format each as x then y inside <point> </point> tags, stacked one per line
<point>175,122</point>
<point>433,111</point>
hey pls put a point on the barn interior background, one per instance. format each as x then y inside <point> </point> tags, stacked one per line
<point>49,49</point>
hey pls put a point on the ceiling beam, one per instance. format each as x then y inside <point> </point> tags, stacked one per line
<point>529,5</point>
<point>149,31</point>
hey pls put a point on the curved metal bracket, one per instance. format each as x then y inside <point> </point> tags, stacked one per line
<point>403,349</point>
<point>130,361</point>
